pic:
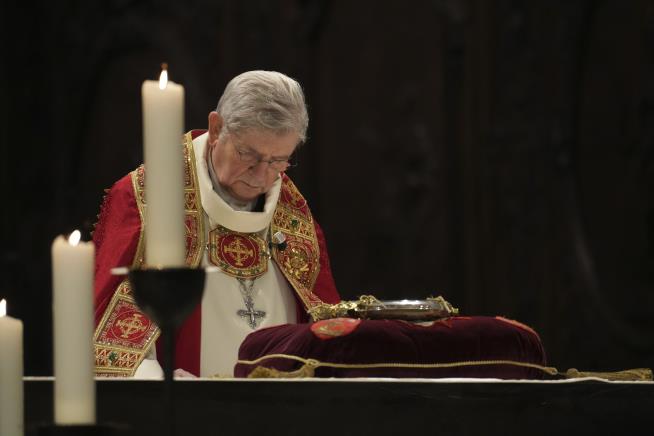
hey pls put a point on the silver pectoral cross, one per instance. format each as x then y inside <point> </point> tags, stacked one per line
<point>253,317</point>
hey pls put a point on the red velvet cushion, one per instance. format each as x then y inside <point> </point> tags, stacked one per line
<point>460,341</point>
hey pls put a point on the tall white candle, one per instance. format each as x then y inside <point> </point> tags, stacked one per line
<point>11,374</point>
<point>163,127</point>
<point>72,304</point>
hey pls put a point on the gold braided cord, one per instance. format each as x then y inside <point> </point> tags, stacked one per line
<point>309,366</point>
<point>313,363</point>
<point>635,374</point>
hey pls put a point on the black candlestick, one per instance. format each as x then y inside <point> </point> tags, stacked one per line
<point>168,296</point>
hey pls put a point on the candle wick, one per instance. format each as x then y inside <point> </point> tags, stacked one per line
<point>164,66</point>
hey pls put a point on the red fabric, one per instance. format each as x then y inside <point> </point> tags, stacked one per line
<point>116,238</point>
<point>197,132</point>
<point>187,343</point>
<point>456,339</point>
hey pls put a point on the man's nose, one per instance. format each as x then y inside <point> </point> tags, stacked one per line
<point>259,170</point>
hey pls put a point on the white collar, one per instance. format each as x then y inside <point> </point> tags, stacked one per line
<point>218,210</point>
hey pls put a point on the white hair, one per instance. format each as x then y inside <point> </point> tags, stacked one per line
<point>264,100</point>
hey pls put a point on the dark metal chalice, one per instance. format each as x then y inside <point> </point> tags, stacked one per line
<point>168,296</point>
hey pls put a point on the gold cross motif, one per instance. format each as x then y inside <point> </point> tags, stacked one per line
<point>131,325</point>
<point>237,254</point>
<point>239,251</point>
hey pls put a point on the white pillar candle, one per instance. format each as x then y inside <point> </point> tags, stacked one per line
<point>163,127</point>
<point>72,307</point>
<point>11,374</point>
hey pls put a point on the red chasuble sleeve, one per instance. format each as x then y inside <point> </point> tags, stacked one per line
<point>116,237</point>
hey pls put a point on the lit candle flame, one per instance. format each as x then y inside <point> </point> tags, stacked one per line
<point>163,78</point>
<point>74,238</point>
<point>3,308</point>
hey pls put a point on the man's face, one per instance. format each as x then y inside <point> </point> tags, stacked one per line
<point>244,180</point>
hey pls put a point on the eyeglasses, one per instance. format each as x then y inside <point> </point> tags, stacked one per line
<point>252,159</point>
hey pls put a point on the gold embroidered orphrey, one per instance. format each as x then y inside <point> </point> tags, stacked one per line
<point>116,355</point>
<point>123,335</point>
<point>240,255</point>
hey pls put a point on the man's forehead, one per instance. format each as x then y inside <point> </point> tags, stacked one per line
<point>267,142</point>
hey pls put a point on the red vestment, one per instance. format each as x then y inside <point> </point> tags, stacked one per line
<point>118,238</point>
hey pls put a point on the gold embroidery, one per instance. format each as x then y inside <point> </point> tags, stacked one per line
<point>131,325</point>
<point>241,255</point>
<point>296,198</point>
<point>300,264</point>
<point>193,220</point>
<point>194,215</point>
<point>138,184</point>
<point>294,224</point>
<point>297,263</point>
<point>300,261</point>
<point>119,349</point>
<point>291,197</point>
<point>238,251</point>
<point>116,361</point>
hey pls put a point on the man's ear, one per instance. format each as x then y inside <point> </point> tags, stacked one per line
<point>215,126</point>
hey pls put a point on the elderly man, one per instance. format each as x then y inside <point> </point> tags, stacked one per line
<point>243,215</point>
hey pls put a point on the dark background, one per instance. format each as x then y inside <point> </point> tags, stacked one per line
<point>499,153</point>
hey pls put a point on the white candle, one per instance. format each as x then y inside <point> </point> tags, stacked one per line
<point>163,127</point>
<point>11,374</point>
<point>72,307</point>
